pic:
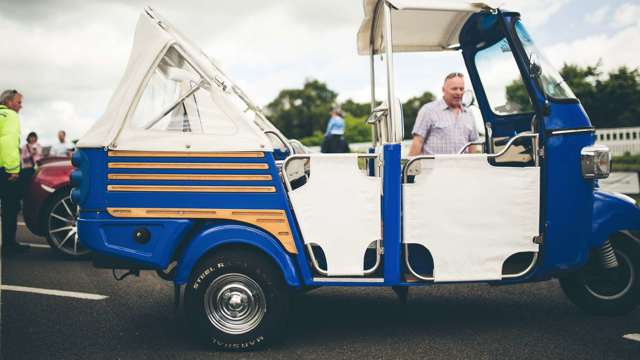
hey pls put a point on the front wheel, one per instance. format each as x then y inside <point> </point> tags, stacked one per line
<point>237,300</point>
<point>602,291</point>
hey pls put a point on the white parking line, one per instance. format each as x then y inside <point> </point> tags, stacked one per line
<point>21,223</point>
<point>72,294</point>
<point>633,337</point>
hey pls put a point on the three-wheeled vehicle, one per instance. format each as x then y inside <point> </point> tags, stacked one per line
<point>186,176</point>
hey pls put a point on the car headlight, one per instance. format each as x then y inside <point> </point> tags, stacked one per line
<point>595,161</point>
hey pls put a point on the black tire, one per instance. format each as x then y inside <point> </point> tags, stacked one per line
<point>237,300</point>
<point>60,226</point>
<point>602,291</point>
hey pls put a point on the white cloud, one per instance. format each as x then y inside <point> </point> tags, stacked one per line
<point>626,14</point>
<point>597,17</point>
<point>614,50</point>
<point>535,13</point>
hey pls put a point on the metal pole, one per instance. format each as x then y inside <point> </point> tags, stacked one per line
<point>391,95</point>
<point>375,133</point>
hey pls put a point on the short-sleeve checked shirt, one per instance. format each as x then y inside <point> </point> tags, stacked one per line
<point>444,131</point>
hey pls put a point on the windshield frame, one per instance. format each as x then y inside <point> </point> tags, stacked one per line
<point>545,65</point>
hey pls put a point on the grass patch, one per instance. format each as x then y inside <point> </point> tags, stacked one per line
<point>626,162</point>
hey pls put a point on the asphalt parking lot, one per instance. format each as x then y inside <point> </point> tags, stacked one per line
<point>135,319</point>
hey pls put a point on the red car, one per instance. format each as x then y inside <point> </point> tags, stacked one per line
<point>48,210</point>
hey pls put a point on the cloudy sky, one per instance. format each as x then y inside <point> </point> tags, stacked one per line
<point>67,56</point>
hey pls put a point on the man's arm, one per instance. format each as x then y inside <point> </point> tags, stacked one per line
<point>416,145</point>
<point>420,130</point>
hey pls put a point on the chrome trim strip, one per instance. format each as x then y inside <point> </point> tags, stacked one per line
<point>572,131</point>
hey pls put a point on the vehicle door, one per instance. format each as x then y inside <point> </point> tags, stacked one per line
<point>476,217</point>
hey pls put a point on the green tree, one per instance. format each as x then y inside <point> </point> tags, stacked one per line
<point>410,110</point>
<point>517,94</point>
<point>299,113</point>
<point>616,100</point>
<point>356,129</point>
<point>612,101</point>
<point>356,109</point>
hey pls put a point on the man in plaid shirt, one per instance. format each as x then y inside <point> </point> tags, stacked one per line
<point>444,126</point>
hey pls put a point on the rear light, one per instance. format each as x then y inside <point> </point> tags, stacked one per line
<point>595,161</point>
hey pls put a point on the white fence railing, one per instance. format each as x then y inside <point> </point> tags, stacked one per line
<point>620,140</point>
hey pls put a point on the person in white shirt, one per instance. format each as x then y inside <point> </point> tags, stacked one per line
<point>61,148</point>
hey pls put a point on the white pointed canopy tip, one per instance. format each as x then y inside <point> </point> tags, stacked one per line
<point>155,38</point>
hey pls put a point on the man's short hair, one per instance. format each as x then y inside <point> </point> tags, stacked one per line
<point>7,96</point>
<point>453,75</point>
<point>63,132</point>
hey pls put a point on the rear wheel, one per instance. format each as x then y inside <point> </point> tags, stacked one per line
<point>602,291</point>
<point>61,226</point>
<point>237,300</point>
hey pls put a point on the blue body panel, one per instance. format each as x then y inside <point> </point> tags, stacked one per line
<point>214,236</point>
<point>391,213</point>
<point>612,214</point>
<point>567,200</point>
<point>115,238</point>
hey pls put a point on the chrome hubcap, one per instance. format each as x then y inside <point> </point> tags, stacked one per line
<point>62,227</point>
<point>235,303</point>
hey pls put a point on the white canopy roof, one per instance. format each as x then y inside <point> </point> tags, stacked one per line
<point>153,38</point>
<point>417,25</point>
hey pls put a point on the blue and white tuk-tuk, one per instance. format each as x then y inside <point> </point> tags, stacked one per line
<point>186,176</point>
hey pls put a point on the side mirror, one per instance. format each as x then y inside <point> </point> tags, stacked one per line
<point>535,70</point>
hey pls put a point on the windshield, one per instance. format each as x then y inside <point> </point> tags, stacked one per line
<point>501,80</point>
<point>552,83</point>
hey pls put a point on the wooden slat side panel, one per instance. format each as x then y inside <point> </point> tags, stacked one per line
<point>272,221</point>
